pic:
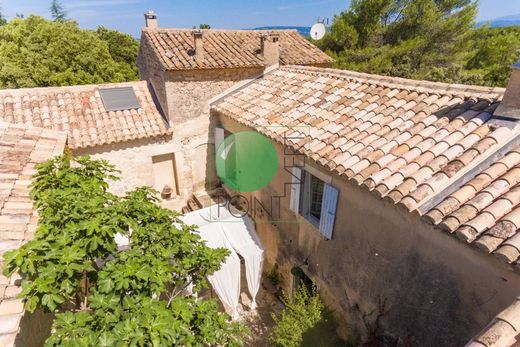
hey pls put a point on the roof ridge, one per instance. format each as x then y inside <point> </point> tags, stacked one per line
<point>76,87</point>
<point>242,49</point>
<point>421,86</point>
<point>218,30</point>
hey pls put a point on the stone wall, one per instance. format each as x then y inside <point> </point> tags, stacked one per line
<point>184,97</point>
<point>385,271</point>
<point>35,328</point>
<point>151,70</point>
<point>189,92</point>
<point>189,144</point>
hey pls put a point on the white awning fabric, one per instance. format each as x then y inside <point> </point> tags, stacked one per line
<point>221,227</point>
<point>226,281</point>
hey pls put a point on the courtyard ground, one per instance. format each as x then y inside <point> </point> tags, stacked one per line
<point>261,323</point>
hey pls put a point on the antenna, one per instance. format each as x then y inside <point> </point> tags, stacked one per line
<point>318,31</point>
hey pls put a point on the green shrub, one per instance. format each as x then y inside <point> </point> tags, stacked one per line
<point>302,312</point>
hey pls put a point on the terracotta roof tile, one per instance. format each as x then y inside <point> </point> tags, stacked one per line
<point>21,148</point>
<point>502,331</point>
<point>230,49</point>
<point>486,210</point>
<point>79,110</point>
<point>408,145</point>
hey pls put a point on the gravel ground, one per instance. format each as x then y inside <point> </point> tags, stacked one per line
<point>259,321</point>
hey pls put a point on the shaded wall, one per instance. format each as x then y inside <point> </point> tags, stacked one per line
<point>189,92</point>
<point>151,70</point>
<point>385,271</point>
<point>34,329</point>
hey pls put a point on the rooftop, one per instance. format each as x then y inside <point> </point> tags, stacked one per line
<point>418,144</point>
<point>21,148</point>
<point>229,48</point>
<point>79,110</point>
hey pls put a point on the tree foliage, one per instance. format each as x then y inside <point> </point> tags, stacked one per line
<point>103,297</point>
<point>123,49</point>
<point>421,39</point>
<point>58,12</point>
<point>35,52</point>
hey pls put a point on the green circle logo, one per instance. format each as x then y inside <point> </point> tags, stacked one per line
<point>246,161</point>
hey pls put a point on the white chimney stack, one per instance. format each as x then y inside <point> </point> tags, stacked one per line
<point>510,105</point>
<point>270,48</point>
<point>150,19</point>
<point>198,44</point>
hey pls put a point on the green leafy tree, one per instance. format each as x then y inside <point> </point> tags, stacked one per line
<point>58,12</point>
<point>493,52</point>
<point>204,26</point>
<point>35,52</point>
<point>123,49</point>
<point>421,39</point>
<point>105,297</point>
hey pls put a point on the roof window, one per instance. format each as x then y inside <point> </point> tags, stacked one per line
<point>118,99</point>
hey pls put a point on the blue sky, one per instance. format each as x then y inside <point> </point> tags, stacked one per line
<point>126,15</point>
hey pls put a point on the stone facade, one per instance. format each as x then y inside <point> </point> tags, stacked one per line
<point>189,92</point>
<point>385,271</point>
<point>185,94</point>
<point>151,70</point>
<point>184,97</point>
<point>135,159</point>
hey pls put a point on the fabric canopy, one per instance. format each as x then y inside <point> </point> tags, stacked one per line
<point>240,237</point>
<point>225,281</point>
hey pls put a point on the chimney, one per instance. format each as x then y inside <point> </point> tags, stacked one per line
<point>270,48</point>
<point>510,105</point>
<point>198,44</point>
<point>150,19</point>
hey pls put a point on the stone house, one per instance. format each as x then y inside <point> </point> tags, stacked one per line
<point>156,131</point>
<point>118,122</point>
<point>399,198</point>
<point>189,68</point>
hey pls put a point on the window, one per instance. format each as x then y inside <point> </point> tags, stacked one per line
<point>315,196</point>
<point>314,199</point>
<point>118,99</point>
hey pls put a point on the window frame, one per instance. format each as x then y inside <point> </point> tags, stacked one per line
<point>306,198</point>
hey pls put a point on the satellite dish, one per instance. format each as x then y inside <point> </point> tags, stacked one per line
<point>318,31</point>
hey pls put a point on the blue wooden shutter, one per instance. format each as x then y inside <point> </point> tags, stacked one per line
<point>328,210</point>
<point>296,189</point>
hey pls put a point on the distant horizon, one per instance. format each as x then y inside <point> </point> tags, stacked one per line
<point>127,15</point>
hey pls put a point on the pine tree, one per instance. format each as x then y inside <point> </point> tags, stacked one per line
<point>58,12</point>
<point>404,38</point>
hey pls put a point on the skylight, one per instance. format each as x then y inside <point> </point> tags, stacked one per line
<point>118,99</point>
